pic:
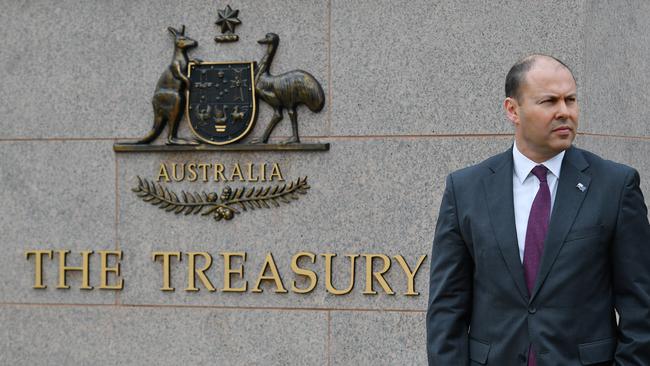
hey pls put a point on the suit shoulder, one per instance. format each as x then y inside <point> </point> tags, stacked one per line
<point>602,166</point>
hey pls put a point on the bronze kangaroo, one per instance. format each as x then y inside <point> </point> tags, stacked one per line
<point>169,97</point>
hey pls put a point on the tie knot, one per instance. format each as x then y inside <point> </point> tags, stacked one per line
<point>540,172</point>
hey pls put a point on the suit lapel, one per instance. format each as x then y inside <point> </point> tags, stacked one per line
<point>498,191</point>
<point>568,200</point>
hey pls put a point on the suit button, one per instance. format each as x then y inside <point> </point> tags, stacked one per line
<point>532,310</point>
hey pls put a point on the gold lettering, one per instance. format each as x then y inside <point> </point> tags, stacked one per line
<point>227,272</point>
<point>236,171</point>
<point>192,271</point>
<point>63,269</point>
<point>194,171</point>
<point>218,172</point>
<point>328,273</point>
<point>162,172</point>
<point>191,171</point>
<point>204,171</point>
<point>166,267</point>
<point>263,172</point>
<point>378,275</point>
<point>104,269</point>
<point>274,276</point>
<point>275,172</point>
<point>38,265</point>
<point>410,276</point>
<point>251,173</point>
<point>175,171</point>
<point>313,279</point>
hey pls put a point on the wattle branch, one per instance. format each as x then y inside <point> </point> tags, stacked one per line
<point>220,206</point>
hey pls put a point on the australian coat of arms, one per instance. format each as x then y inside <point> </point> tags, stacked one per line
<point>220,98</point>
<point>219,101</point>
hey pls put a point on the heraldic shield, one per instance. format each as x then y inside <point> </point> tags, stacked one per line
<point>221,105</point>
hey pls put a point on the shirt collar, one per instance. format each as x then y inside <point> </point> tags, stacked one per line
<point>523,165</point>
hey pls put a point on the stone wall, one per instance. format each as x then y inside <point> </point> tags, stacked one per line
<point>414,91</point>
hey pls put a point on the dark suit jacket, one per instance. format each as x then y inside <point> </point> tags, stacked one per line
<point>596,259</point>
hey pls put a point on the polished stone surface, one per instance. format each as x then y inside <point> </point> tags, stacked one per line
<point>118,335</point>
<point>378,338</point>
<point>617,73</point>
<point>439,68</point>
<point>55,195</point>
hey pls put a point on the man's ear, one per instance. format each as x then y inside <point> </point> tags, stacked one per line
<point>512,109</point>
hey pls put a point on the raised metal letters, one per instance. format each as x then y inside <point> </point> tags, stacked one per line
<point>232,265</point>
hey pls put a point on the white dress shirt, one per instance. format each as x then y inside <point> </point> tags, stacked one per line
<point>525,186</point>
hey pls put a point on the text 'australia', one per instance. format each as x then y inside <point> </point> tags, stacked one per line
<point>218,172</point>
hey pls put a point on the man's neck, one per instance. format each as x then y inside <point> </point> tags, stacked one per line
<point>536,157</point>
<point>523,164</point>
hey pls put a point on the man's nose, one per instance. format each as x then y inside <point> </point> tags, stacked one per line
<point>562,111</point>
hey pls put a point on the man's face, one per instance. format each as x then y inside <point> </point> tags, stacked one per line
<point>545,114</point>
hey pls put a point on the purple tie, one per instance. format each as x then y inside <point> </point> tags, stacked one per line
<point>540,214</point>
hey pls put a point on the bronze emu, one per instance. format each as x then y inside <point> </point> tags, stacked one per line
<point>287,90</point>
<point>169,97</point>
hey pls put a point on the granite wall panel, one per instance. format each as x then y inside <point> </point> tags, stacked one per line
<point>56,195</point>
<point>439,67</point>
<point>617,73</point>
<point>378,338</point>
<point>69,335</point>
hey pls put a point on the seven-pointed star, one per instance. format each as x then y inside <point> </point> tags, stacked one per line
<point>228,19</point>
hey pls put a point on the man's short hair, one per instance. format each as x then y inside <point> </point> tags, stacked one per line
<point>517,73</point>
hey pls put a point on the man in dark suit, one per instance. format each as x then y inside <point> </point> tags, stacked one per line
<point>537,249</point>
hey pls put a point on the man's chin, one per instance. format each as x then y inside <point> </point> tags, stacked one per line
<point>563,138</point>
<point>562,145</point>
